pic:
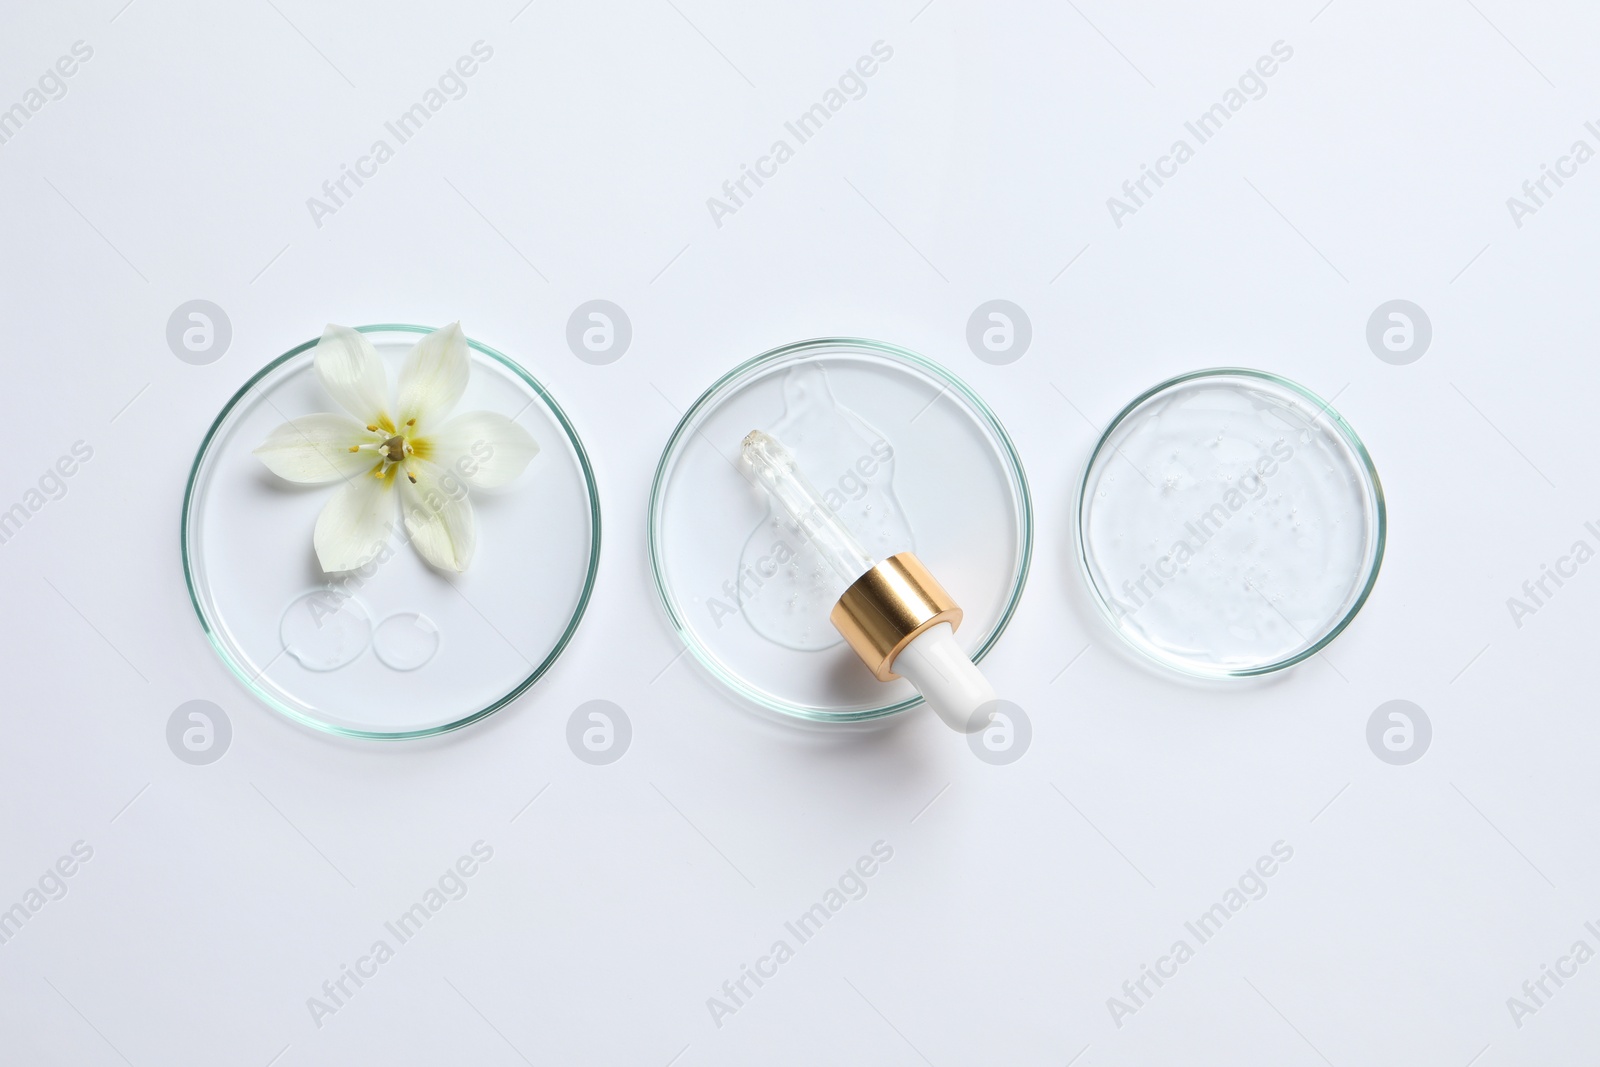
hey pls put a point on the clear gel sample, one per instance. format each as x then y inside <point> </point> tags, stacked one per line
<point>785,587</point>
<point>325,629</point>
<point>951,474</point>
<point>774,468</point>
<point>406,641</point>
<point>1230,523</point>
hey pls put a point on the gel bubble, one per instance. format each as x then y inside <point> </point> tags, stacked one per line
<point>406,641</point>
<point>325,629</point>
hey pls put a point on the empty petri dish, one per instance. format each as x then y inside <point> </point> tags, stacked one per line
<point>1229,523</point>
<point>452,647</point>
<point>906,455</point>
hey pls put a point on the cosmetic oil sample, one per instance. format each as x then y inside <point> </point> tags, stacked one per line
<point>1230,523</point>
<point>893,613</point>
<point>325,629</point>
<point>787,587</point>
<point>921,451</point>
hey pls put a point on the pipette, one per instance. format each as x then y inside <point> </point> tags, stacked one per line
<point>893,613</point>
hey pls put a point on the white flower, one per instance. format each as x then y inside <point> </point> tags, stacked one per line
<point>430,460</point>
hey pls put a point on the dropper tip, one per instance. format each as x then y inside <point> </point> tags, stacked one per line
<point>759,447</point>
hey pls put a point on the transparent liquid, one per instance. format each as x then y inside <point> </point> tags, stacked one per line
<point>1227,525</point>
<point>785,589</point>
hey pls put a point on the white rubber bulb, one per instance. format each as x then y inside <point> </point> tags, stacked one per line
<point>951,683</point>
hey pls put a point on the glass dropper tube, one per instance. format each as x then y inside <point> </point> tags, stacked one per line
<point>775,469</point>
<point>893,613</point>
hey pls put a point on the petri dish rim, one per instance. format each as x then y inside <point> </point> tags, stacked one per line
<point>517,690</point>
<point>725,385</point>
<point>1373,486</point>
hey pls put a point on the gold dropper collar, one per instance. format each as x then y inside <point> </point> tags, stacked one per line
<point>885,608</point>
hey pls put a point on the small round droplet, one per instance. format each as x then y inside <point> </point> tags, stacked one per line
<point>406,641</point>
<point>325,629</point>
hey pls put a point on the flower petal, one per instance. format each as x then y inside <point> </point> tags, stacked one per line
<point>355,525</point>
<point>315,449</point>
<point>349,369</point>
<point>486,449</point>
<point>438,516</point>
<point>434,377</point>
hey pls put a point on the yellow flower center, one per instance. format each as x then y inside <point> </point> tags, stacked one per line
<point>394,451</point>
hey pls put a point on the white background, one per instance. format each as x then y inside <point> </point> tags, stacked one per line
<point>577,166</point>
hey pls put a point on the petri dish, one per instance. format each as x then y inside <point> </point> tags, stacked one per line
<point>396,649</point>
<point>906,454</point>
<point>1230,523</point>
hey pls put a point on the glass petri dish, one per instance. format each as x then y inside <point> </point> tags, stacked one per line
<point>908,457</point>
<point>1230,523</point>
<point>397,649</point>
